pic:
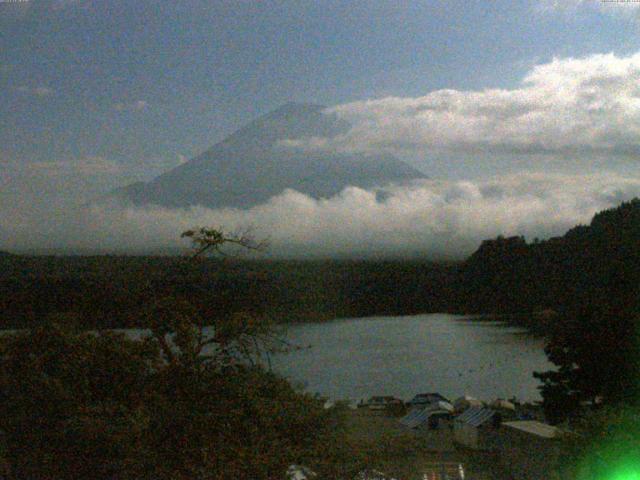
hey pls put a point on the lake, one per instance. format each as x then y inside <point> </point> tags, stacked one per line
<point>402,356</point>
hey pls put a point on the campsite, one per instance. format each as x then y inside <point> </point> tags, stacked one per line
<point>469,439</point>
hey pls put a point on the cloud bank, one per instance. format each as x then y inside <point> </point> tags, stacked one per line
<point>570,105</point>
<point>429,218</point>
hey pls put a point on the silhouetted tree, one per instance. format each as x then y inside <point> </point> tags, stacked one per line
<point>596,350</point>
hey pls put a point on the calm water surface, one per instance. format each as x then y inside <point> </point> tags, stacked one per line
<point>401,356</point>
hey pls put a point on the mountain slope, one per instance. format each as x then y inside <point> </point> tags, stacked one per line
<point>252,165</point>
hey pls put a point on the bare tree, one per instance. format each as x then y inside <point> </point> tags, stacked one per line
<point>213,240</point>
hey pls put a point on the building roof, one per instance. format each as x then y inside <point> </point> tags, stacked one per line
<point>475,416</point>
<point>415,418</point>
<point>533,427</point>
<point>441,405</point>
<point>383,399</point>
<point>466,401</point>
<point>428,398</point>
<point>467,398</point>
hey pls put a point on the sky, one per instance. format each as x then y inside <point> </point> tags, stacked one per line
<point>538,100</point>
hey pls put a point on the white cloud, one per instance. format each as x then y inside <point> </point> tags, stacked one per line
<point>566,105</point>
<point>431,218</point>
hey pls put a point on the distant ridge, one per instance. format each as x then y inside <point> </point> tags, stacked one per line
<point>252,165</point>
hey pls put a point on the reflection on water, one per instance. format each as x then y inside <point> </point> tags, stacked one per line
<point>401,356</point>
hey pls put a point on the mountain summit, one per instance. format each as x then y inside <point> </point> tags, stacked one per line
<point>252,165</point>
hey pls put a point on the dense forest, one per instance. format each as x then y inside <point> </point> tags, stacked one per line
<point>106,292</point>
<point>589,264</point>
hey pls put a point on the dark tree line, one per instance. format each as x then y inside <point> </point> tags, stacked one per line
<point>592,265</point>
<point>106,291</point>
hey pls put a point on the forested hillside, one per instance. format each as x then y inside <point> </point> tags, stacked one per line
<point>588,265</point>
